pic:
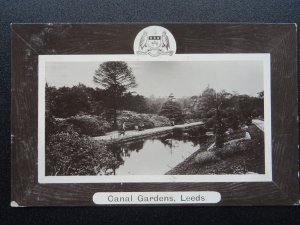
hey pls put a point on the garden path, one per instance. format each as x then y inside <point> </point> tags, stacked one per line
<point>115,135</point>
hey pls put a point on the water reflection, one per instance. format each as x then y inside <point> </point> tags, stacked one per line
<point>154,156</point>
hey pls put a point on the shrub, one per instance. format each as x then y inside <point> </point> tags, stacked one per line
<point>206,157</point>
<point>232,148</point>
<point>62,125</point>
<point>71,154</point>
<point>149,120</point>
<point>55,125</point>
<point>89,125</point>
<point>159,121</point>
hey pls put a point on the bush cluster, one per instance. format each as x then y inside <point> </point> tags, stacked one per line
<point>206,157</point>
<point>133,119</point>
<point>232,148</point>
<point>89,125</point>
<point>229,149</point>
<point>68,153</point>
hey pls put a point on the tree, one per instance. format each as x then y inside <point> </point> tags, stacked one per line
<point>207,102</point>
<point>116,78</point>
<point>154,104</point>
<point>69,101</point>
<point>136,103</point>
<point>171,109</point>
<point>244,106</point>
<point>219,130</point>
<point>231,119</point>
<point>50,106</point>
<point>260,94</point>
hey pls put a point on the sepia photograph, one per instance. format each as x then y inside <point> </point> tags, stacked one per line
<point>114,117</point>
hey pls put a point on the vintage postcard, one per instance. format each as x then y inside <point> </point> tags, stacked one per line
<point>110,114</point>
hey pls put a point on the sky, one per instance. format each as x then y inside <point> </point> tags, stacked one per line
<point>184,78</point>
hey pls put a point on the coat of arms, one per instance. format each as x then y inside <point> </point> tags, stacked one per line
<point>155,41</point>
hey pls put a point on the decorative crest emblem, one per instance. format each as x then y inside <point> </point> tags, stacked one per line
<point>154,41</point>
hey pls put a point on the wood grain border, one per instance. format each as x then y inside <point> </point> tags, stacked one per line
<point>31,40</point>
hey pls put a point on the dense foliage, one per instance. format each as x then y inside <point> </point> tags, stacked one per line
<point>90,125</point>
<point>77,101</point>
<point>133,119</point>
<point>234,109</point>
<point>68,153</point>
<point>172,110</point>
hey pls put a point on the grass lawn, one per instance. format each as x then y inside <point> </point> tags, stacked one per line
<point>245,157</point>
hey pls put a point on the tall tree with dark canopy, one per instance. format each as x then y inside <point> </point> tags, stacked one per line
<point>116,78</point>
<point>171,109</point>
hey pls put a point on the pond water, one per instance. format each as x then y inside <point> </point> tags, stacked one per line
<point>154,156</point>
